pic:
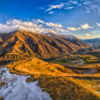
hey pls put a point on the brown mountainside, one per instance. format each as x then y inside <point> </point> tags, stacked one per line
<point>39,45</point>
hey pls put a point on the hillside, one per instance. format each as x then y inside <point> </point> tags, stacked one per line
<point>38,45</point>
<point>64,88</point>
<point>35,66</point>
<point>59,87</point>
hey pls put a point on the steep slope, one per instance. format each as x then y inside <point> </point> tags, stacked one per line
<point>64,88</point>
<point>39,45</point>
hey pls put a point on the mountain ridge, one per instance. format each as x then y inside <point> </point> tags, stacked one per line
<point>39,45</point>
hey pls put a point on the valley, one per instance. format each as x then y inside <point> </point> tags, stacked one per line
<point>50,50</point>
<point>51,67</point>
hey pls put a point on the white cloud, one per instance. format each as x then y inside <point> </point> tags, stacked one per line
<point>53,25</point>
<point>39,21</point>
<point>61,30</point>
<point>51,7</point>
<point>68,8</point>
<point>50,24</point>
<point>37,26</point>
<point>87,5</point>
<point>98,24</point>
<point>85,26</point>
<point>74,2</point>
<point>51,12</point>
<point>63,5</point>
<point>73,28</point>
<point>86,2</point>
<point>88,35</point>
<point>29,26</point>
<point>93,32</point>
<point>91,6</point>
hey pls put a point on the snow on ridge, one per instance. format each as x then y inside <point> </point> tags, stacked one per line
<point>50,34</point>
<point>71,37</point>
<point>16,87</point>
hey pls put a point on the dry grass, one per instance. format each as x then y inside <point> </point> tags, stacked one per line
<point>59,87</point>
<point>36,66</point>
<point>92,84</point>
<point>62,88</point>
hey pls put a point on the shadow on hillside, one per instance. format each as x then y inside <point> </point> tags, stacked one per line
<point>88,78</point>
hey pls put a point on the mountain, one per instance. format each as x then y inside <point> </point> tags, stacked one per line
<point>50,34</point>
<point>39,45</point>
<point>92,41</point>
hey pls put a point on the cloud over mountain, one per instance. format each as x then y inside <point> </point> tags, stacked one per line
<point>73,28</point>
<point>37,26</point>
<point>40,26</point>
<point>83,26</point>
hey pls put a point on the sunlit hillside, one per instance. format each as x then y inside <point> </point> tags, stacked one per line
<point>51,80</point>
<point>39,45</point>
<point>36,66</point>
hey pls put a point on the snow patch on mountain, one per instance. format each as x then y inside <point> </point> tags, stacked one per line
<point>16,87</point>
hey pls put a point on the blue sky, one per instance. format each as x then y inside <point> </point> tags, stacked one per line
<point>77,17</point>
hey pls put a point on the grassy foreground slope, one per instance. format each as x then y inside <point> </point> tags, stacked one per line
<point>37,66</point>
<point>62,88</point>
<point>59,87</point>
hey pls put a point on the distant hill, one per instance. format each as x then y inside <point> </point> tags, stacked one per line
<point>39,45</point>
<point>92,41</point>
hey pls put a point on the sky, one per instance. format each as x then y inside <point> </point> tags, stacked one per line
<point>74,17</point>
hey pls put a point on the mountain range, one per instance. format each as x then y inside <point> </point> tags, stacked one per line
<point>92,41</point>
<point>38,45</point>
